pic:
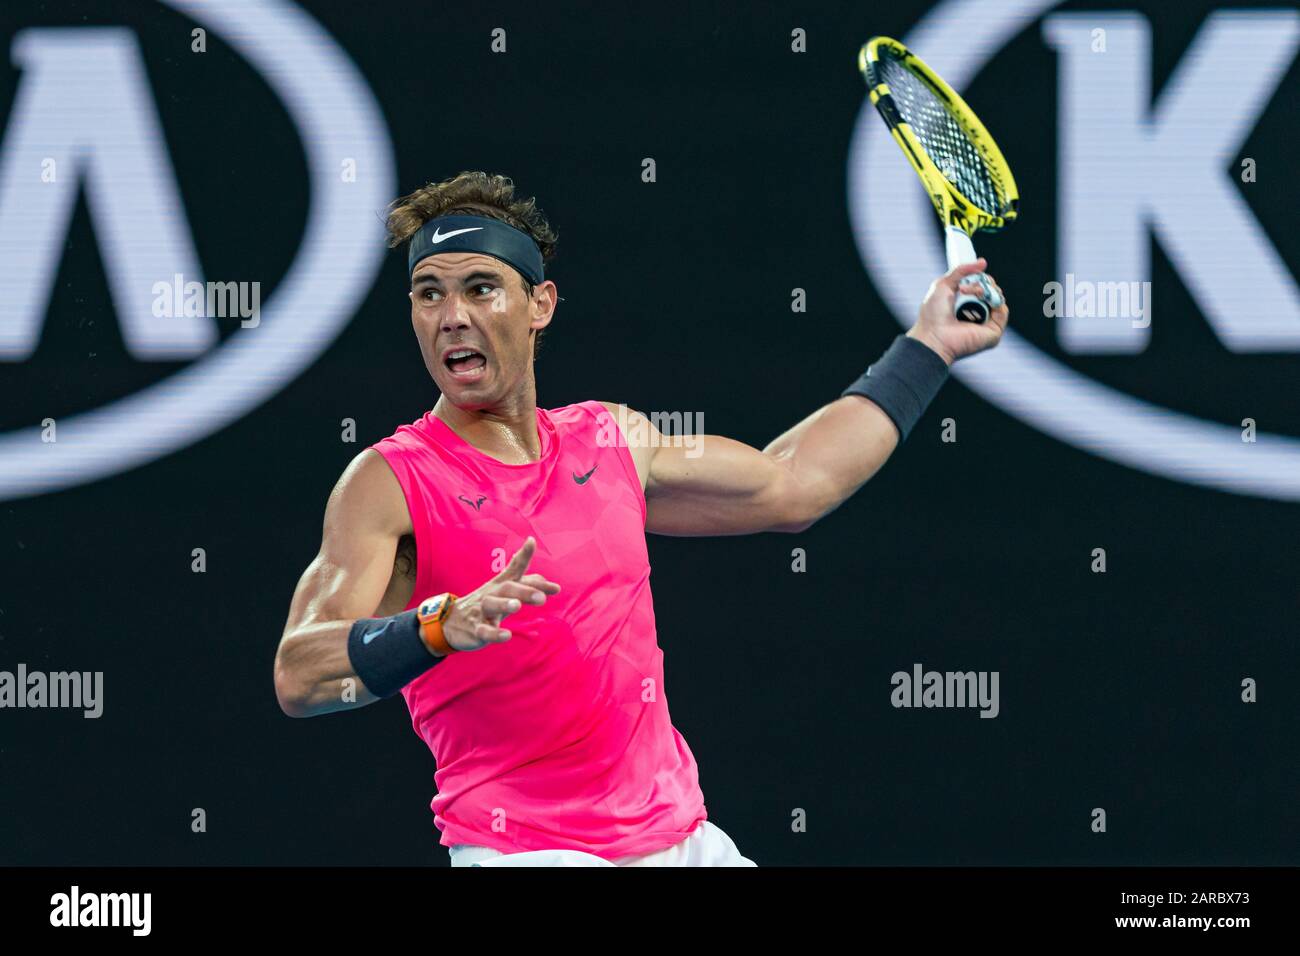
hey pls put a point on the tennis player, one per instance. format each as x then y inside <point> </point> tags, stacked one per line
<point>488,561</point>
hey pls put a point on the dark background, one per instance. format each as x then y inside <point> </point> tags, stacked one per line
<point>1118,690</point>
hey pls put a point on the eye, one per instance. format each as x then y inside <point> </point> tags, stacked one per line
<point>484,285</point>
<point>427,295</point>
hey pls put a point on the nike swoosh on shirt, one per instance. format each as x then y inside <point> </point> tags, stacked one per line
<point>583,479</point>
<point>439,235</point>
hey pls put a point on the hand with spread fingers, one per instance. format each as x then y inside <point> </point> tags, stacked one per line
<point>475,620</point>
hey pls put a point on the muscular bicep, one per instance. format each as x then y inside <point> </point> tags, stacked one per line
<point>365,519</point>
<point>717,486</point>
<point>708,484</point>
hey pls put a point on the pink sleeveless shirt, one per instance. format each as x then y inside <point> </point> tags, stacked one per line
<point>560,737</point>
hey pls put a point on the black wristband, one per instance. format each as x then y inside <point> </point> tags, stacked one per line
<point>903,382</point>
<point>387,653</point>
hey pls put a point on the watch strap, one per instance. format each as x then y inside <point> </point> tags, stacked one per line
<point>431,613</point>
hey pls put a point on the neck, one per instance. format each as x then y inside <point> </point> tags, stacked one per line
<point>507,432</point>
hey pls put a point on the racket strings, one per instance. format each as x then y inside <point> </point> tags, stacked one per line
<point>943,138</point>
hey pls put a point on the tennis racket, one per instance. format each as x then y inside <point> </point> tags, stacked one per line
<point>962,169</point>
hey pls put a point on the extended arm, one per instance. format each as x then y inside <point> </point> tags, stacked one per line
<point>721,486</point>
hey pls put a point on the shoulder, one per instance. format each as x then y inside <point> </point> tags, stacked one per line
<point>411,435</point>
<point>637,429</point>
<point>639,433</point>
<point>636,433</point>
<point>600,413</point>
<point>369,494</point>
<point>629,419</point>
<point>577,412</point>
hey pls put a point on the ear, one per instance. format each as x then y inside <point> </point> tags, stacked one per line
<point>543,304</point>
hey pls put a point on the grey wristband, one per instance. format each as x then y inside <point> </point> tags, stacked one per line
<point>903,382</point>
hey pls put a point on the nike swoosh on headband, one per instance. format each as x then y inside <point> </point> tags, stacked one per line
<point>439,235</point>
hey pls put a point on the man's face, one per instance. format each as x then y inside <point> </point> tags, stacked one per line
<point>464,302</point>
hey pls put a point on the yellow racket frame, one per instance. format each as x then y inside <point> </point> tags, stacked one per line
<point>953,207</point>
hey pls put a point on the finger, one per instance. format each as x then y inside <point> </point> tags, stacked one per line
<point>539,582</point>
<point>521,592</point>
<point>952,278</point>
<point>491,634</point>
<point>998,289</point>
<point>519,563</point>
<point>999,317</point>
<point>496,608</point>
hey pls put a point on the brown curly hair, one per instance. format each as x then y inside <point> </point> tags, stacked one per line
<point>473,193</point>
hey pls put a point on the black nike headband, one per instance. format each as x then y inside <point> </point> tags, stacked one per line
<point>491,237</point>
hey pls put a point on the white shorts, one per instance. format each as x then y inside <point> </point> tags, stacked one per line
<point>707,846</point>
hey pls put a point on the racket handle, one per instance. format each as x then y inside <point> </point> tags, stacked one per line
<point>969,308</point>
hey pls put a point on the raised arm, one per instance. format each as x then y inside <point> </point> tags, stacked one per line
<point>723,487</point>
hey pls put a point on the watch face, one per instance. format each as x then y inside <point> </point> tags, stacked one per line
<point>433,606</point>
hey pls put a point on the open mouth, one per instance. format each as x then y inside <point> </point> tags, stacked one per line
<point>465,362</point>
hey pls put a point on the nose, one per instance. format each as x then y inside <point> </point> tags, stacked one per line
<point>454,315</point>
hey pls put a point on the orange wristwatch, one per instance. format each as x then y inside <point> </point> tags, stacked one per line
<point>431,613</point>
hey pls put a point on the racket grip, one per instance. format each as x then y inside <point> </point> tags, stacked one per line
<point>970,308</point>
<point>960,250</point>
